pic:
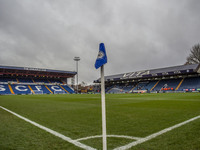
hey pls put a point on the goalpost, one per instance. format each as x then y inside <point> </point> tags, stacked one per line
<point>37,92</point>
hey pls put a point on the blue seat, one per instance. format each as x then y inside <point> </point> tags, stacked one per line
<point>4,89</point>
<point>20,89</point>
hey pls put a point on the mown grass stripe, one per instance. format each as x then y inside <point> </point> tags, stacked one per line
<point>155,134</point>
<point>50,131</point>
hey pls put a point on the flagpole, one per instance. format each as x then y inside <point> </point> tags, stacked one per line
<point>103,109</point>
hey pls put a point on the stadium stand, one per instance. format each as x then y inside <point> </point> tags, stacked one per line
<point>67,88</point>
<point>55,81</point>
<point>116,89</point>
<point>4,89</point>
<point>23,80</point>
<point>169,84</point>
<point>37,80</point>
<point>2,79</point>
<point>20,89</point>
<point>128,88</point>
<point>189,84</point>
<point>184,78</point>
<point>151,85</point>
<point>39,88</point>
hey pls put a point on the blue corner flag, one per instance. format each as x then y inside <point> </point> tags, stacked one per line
<point>101,58</point>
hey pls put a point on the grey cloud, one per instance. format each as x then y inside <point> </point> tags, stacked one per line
<point>138,35</point>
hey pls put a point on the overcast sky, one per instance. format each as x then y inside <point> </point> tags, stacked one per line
<point>138,34</point>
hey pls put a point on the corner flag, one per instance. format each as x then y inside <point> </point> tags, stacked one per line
<point>101,58</point>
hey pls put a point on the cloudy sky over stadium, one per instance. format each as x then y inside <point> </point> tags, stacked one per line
<point>138,34</point>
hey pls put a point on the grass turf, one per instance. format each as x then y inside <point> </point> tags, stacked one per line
<point>78,116</point>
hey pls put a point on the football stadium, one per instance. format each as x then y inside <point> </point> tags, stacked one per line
<point>99,75</point>
<point>24,80</point>
<point>184,78</point>
<point>151,109</point>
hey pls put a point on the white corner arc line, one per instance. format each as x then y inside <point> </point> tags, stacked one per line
<point>78,144</point>
<point>147,138</point>
<point>115,136</point>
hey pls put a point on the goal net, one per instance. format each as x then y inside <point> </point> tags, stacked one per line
<point>37,92</point>
<point>59,92</point>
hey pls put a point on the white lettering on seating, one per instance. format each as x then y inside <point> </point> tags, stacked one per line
<point>38,88</point>
<point>2,88</point>
<point>23,88</point>
<point>136,74</point>
<point>56,88</point>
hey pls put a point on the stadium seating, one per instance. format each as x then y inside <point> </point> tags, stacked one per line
<point>150,85</point>
<point>41,80</point>
<point>141,86</point>
<point>108,88</point>
<point>56,89</point>
<point>11,85</point>
<point>54,81</point>
<point>128,88</point>
<point>25,80</point>
<point>8,80</point>
<point>119,89</point>
<point>70,90</point>
<point>4,89</point>
<point>33,86</point>
<point>34,89</point>
<point>20,89</point>
<point>40,88</point>
<point>115,90</point>
<point>190,83</point>
<point>169,83</point>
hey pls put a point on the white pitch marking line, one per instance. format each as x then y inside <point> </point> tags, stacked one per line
<point>51,131</point>
<point>147,138</point>
<point>116,136</point>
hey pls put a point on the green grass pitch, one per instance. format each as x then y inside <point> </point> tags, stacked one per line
<point>79,116</point>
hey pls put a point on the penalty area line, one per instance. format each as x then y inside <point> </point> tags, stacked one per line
<point>154,135</point>
<point>76,143</point>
